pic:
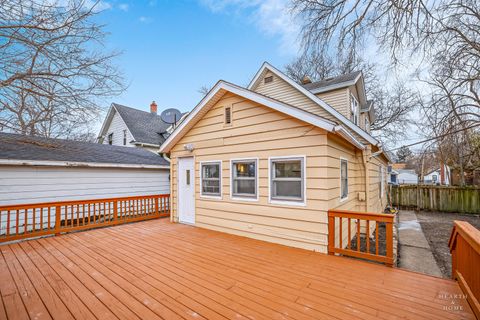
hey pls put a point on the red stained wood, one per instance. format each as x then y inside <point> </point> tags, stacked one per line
<point>156,269</point>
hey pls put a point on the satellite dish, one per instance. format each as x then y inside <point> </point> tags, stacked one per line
<point>171,115</point>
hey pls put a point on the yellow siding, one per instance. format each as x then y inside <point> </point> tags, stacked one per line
<point>260,132</point>
<point>280,90</point>
<point>338,99</point>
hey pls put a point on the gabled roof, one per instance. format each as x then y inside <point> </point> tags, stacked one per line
<point>215,94</point>
<point>341,81</point>
<point>145,127</point>
<point>342,119</point>
<point>19,149</point>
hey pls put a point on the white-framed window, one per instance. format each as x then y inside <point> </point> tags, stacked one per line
<point>343,179</point>
<point>244,179</point>
<point>353,109</point>
<point>124,137</point>
<point>211,179</point>
<point>110,138</point>
<point>287,180</point>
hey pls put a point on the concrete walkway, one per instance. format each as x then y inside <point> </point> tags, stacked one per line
<point>415,252</point>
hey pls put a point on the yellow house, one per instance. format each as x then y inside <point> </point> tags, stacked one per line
<point>268,161</point>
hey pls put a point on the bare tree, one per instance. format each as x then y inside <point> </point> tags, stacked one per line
<point>54,71</point>
<point>393,104</point>
<point>444,33</point>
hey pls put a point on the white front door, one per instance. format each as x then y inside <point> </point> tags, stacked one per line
<point>186,190</point>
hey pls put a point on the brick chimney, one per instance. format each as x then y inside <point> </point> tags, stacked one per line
<point>306,80</point>
<point>153,107</point>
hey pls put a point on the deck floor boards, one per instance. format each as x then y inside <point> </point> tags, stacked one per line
<point>159,270</point>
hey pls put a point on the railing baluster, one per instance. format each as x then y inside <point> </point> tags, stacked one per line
<point>17,221</point>
<point>368,236</point>
<point>358,235</point>
<point>349,235</point>
<point>376,238</point>
<point>49,219</point>
<point>8,223</point>
<point>341,236</point>
<point>25,222</point>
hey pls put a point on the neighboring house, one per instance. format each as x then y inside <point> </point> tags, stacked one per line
<point>392,176</point>
<point>437,176</point>
<point>270,160</point>
<point>35,169</point>
<point>407,176</point>
<point>125,126</point>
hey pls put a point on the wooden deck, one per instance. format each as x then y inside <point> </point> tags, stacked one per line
<point>158,270</point>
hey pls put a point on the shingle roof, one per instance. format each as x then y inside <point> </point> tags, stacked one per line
<point>21,147</point>
<point>332,81</point>
<point>145,127</point>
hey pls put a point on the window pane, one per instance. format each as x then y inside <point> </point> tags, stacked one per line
<point>211,170</point>
<point>211,186</point>
<point>343,178</point>
<point>288,169</point>
<point>244,187</point>
<point>289,189</point>
<point>244,169</point>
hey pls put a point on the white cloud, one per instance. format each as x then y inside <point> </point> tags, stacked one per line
<point>99,6</point>
<point>271,17</point>
<point>123,6</point>
<point>144,19</point>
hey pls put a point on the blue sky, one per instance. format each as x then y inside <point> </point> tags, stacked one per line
<point>172,48</point>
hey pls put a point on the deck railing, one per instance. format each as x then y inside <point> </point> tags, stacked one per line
<point>349,234</point>
<point>465,248</point>
<point>39,219</point>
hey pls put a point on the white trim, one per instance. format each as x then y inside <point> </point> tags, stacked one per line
<point>8,162</point>
<point>257,187</point>
<point>141,144</point>
<point>112,106</point>
<point>208,196</point>
<point>315,99</point>
<point>253,96</point>
<point>301,203</point>
<point>349,137</point>
<point>346,198</point>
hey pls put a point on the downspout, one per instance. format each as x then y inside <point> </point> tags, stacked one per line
<point>164,156</point>
<point>366,154</point>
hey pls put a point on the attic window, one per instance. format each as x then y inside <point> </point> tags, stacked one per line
<point>110,138</point>
<point>228,115</point>
<point>268,79</point>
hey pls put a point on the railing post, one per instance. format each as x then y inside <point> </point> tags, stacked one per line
<point>389,244</point>
<point>115,210</point>
<point>57,220</point>
<point>331,233</point>
<point>156,206</point>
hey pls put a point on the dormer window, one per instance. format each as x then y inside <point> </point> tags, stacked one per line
<point>124,137</point>
<point>353,109</point>
<point>110,138</point>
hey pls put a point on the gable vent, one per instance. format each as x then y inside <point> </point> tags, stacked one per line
<point>268,79</point>
<point>228,115</point>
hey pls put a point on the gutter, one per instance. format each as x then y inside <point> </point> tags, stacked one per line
<point>142,144</point>
<point>347,135</point>
<point>8,162</point>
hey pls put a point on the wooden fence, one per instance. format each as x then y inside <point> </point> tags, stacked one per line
<point>437,198</point>
<point>465,248</point>
<point>39,219</point>
<point>340,238</point>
